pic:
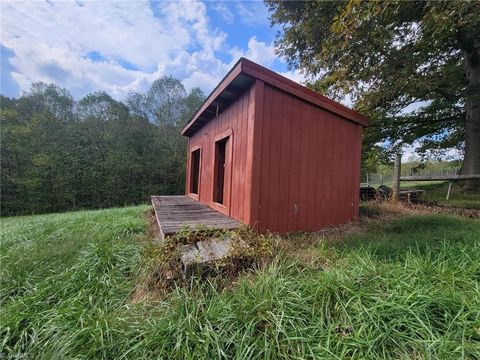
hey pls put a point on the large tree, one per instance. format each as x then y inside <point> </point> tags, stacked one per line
<point>412,66</point>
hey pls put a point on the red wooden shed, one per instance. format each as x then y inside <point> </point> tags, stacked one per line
<point>273,154</point>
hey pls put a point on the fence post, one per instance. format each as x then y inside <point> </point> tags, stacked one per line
<point>449,189</point>
<point>396,176</point>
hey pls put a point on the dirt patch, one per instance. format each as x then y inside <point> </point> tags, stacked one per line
<point>389,210</point>
<point>438,209</point>
<point>153,231</point>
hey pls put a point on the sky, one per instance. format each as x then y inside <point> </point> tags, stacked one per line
<point>123,46</point>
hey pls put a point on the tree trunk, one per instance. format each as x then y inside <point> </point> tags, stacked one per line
<point>471,161</point>
<point>397,169</point>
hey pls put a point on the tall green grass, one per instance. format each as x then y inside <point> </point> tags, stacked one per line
<point>436,191</point>
<point>404,289</point>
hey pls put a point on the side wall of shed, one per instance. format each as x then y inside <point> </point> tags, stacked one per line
<point>307,165</point>
<point>237,117</point>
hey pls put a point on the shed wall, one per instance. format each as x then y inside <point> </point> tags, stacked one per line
<point>308,165</point>
<point>237,117</point>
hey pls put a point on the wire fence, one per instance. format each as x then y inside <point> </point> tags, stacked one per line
<point>385,177</point>
<point>444,193</point>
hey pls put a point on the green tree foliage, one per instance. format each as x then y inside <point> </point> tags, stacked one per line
<point>412,66</point>
<point>59,154</point>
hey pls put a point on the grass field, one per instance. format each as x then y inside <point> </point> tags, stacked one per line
<point>437,191</point>
<point>405,288</point>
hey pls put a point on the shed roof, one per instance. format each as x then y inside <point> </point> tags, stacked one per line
<point>242,75</point>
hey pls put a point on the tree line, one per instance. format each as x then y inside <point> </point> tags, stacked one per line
<point>60,154</point>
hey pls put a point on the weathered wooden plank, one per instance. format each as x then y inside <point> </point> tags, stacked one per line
<point>175,212</point>
<point>440,177</point>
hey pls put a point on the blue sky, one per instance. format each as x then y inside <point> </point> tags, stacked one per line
<point>124,46</point>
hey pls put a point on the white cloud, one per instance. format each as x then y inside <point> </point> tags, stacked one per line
<point>78,74</point>
<point>252,12</point>
<point>221,9</point>
<point>201,69</point>
<point>409,153</point>
<point>117,30</point>
<point>124,46</point>
<point>257,51</point>
<point>294,75</point>
<point>52,42</point>
<point>264,54</point>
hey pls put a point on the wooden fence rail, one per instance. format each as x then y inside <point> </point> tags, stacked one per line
<point>440,177</point>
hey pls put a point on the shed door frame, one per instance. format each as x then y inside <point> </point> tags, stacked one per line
<point>195,196</point>
<point>227,136</point>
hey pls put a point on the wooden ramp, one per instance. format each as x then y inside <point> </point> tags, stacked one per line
<point>173,212</point>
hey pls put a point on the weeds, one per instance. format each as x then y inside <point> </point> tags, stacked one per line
<point>161,269</point>
<point>405,288</point>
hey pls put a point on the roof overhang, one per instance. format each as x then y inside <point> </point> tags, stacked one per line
<point>242,76</point>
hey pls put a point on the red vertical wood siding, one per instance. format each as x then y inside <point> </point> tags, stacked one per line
<point>238,118</point>
<point>254,159</point>
<point>294,165</point>
<point>309,167</point>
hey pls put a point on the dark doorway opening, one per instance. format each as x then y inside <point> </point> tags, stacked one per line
<point>219,180</point>
<point>195,171</point>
